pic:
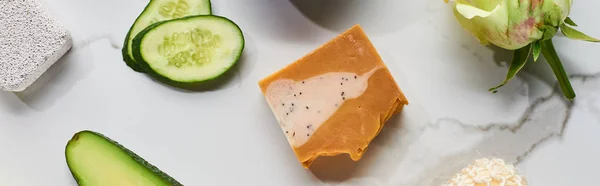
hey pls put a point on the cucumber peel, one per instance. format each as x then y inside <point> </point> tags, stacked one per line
<point>96,160</point>
<point>160,10</point>
<point>189,51</point>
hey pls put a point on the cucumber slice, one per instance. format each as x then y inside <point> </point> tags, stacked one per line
<point>161,10</point>
<point>96,160</point>
<point>189,50</point>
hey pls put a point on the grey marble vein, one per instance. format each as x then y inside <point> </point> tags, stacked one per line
<point>85,42</point>
<point>545,119</point>
<point>587,88</point>
<point>446,145</point>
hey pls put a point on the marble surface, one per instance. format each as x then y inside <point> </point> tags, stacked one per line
<point>228,136</point>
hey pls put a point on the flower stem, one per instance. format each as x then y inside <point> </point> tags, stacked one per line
<point>559,71</point>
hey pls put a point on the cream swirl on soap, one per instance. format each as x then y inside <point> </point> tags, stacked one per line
<point>301,107</point>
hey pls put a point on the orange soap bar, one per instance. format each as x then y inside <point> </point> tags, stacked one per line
<point>335,99</point>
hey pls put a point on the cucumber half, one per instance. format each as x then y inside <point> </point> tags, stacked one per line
<point>189,50</point>
<point>96,160</point>
<point>161,10</point>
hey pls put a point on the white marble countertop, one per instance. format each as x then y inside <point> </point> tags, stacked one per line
<point>229,137</point>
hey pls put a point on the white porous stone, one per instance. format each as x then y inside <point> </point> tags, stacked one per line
<point>31,40</point>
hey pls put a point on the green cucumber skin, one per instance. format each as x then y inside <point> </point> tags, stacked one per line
<point>134,156</point>
<point>210,8</point>
<point>128,60</point>
<point>136,46</point>
<point>125,52</point>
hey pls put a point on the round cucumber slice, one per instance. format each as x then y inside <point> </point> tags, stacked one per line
<point>189,50</point>
<point>161,10</point>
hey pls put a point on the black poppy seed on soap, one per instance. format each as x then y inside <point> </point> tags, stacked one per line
<point>342,93</point>
<point>307,134</point>
<point>292,104</point>
<point>306,107</point>
<point>294,134</point>
<point>341,83</point>
<point>354,77</point>
<point>302,82</point>
<point>286,131</point>
<point>287,114</point>
<point>300,93</point>
<point>343,98</point>
<point>294,95</point>
<point>283,104</point>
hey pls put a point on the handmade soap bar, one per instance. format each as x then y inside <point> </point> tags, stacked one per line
<point>31,40</point>
<point>335,99</point>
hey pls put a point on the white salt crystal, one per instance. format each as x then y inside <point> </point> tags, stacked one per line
<point>31,40</point>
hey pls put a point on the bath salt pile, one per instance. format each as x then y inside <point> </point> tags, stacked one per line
<point>31,40</point>
<point>487,172</point>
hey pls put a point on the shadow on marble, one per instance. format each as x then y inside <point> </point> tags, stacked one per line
<point>340,169</point>
<point>70,177</point>
<point>9,102</point>
<point>480,61</point>
<point>249,60</point>
<point>377,17</point>
<point>482,67</point>
<point>502,56</point>
<point>270,19</point>
<point>58,80</point>
<point>541,69</point>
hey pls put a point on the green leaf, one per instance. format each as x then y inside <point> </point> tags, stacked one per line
<point>575,34</point>
<point>549,32</point>
<point>518,62</point>
<point>559,71</point>
<point>537,49</point>
<point>569,21</point>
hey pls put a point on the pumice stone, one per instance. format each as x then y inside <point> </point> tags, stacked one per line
<point>31,40</point>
